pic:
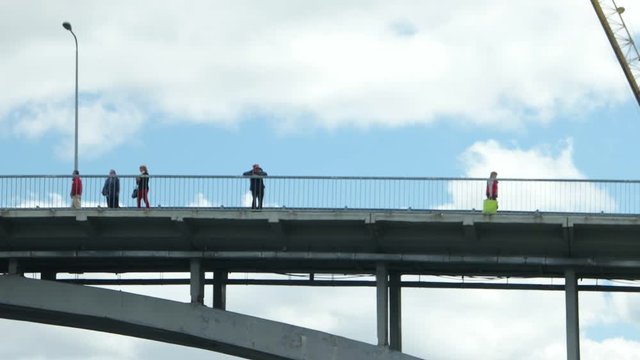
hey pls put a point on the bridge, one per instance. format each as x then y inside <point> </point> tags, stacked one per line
<point>389,228</point>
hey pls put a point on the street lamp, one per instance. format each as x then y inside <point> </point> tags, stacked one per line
<point>67,26</point>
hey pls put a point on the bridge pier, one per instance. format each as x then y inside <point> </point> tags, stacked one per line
<point>197,282</point>
<point>220,289</point>
<point>395,313</point>
<point>572,312</point>
<point>14,267</point>
<point>382,303</point>
<point>388,308</point>
<point>48,275</point>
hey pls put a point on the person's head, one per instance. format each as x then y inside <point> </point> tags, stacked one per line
<point>112,173</point>
<point>76,173</point>
<point>256,167</point>
<point>143,168</point>
<point>493,175</point>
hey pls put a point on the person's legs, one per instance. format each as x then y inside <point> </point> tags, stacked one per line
<point>254,194</point>
<point>139,197</point>
<point>116,201</point>
<point>260,197</point>
<point>76,202</point>
<point>145,197</point>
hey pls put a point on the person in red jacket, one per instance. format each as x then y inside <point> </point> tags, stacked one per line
<point>492,186</point>
<point>76,190</point>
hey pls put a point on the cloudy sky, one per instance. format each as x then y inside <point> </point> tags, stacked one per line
<point>344,87</point>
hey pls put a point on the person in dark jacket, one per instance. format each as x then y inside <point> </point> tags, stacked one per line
<point>143,185</point>
<point>256,185</point>
<point>111,190</point>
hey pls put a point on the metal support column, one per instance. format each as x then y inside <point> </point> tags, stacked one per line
<point>220,289</point>
<point>573,321</point>
<point>197,282</point>
<point>382,294</point>
<point>14,267</point>
<point>395,312</point>
<point>48,275</point>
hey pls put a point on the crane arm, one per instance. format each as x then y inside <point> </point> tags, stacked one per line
<point>619,38</point>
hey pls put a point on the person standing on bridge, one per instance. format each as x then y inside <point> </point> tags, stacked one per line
<point>111,190</point>
<point>143,185</point>
<point>256,185</point>
<point>492,186</point>
<point>76,190</point>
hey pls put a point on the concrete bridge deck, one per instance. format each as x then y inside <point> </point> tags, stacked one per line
<point>336,241</point>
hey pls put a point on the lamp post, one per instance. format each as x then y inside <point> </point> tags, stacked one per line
<point>67,26</point>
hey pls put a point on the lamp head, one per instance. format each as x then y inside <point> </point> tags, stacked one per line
<point>66,25</point>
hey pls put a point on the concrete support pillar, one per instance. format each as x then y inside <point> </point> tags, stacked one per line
<point>197,282</point>
<point>14,267</point>
<point>48,275</point>
<point>395,312</point>
<point>220,289</point>
<point>382,297</point>
<point>573,320</point>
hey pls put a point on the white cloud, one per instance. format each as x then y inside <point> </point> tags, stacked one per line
<point>103,124</point>
<point>330,63</point>
<point>201,201</point>
<point>617,348</point>
<point>540,162</point>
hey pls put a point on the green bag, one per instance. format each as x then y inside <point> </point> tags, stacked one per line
<point>490,206</point>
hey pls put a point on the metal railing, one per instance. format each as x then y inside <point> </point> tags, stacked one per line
<point>548,195</point>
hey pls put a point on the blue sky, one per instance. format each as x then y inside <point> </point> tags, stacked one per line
<point>409,88</point>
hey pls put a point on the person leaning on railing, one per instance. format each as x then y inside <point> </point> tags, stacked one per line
<point>143,186</point>
<point>256,185</point>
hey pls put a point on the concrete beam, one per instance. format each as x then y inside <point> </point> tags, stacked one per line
<point>88,226</point>
<point>469,229</point>
<point>569,237</point>
<point>375,231</point>
<point>278,230</point>
<point>4,229</point>
<point>174,322</point>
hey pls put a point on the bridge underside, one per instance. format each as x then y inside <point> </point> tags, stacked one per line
<point>169,321</point>
<point>387,244</point>
<point>315,241</point>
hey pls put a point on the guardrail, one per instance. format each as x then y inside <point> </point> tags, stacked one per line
<point>327,192</point>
